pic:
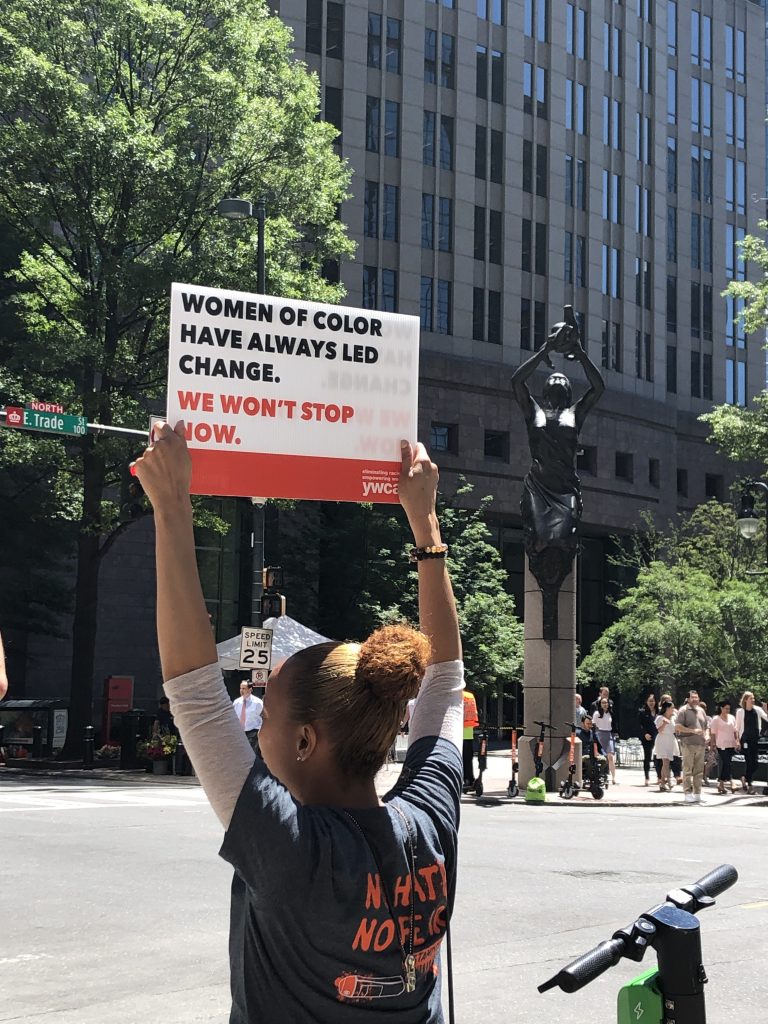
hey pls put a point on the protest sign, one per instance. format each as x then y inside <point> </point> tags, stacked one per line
<point>291,399</point>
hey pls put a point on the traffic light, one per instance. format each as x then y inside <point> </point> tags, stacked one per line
<point>272,601</point>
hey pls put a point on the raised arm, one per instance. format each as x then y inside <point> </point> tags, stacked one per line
<point>3,676</point>
<point>437,609</point>
<point>595,390</point>
<point>520,378</point>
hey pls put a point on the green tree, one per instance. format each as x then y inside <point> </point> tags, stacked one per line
<point>122,125</point>
<point>742,434</point>
<point>364,578</point>
<point>693,618</point>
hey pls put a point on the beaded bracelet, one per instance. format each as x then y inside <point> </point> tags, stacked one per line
<point>431,551</point>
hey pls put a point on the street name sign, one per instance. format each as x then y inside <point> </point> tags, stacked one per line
<point>49,422</point>
<point>255,648</point>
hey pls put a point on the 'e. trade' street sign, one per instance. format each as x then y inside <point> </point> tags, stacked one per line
<point>50,422</point>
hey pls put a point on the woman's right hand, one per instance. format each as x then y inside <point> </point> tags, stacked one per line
<point>165,468</point>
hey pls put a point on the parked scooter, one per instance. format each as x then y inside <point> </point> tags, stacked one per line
<point>482,761</point>
<point>595,779</point>
<point>512,787</point>
<point>536,790</point>
<point>569,787</point>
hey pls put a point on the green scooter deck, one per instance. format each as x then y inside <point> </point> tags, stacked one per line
<point>640,1001</point>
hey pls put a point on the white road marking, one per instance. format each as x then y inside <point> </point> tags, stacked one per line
<point>85,799</point>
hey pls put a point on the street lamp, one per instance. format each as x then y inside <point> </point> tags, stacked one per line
<point>749,521</point>
<point>240,209</point>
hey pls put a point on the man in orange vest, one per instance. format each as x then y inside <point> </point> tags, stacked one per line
<point>468,748</point>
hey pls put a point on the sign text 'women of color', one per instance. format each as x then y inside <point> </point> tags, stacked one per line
<point>291,399</point>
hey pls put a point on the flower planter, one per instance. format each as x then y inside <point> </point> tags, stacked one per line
<point>159,767</point>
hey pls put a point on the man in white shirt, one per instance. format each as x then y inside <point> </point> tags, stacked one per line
<point>248,710</point>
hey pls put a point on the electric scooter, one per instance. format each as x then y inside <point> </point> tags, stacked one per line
<point>674,991</point>
<point>569,787</point>
<point>482,761</point>
<point>595,782</point>
<point>512,787</point>
<point>536,790</point>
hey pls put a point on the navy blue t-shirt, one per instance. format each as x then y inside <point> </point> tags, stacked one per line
<point>311,935</point>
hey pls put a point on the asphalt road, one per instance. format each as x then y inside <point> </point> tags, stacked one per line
<point>114,904</point>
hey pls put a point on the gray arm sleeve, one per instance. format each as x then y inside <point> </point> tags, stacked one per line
<point>212,736</point>
<point>439,708</point>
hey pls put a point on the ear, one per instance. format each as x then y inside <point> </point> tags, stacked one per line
<point>306,741</point>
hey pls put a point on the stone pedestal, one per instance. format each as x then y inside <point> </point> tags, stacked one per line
<point>549,681</point>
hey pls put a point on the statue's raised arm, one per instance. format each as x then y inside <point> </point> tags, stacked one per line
<point>551,503</point>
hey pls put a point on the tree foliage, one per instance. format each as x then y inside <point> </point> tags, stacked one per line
<point>122,124</point>
<point>693,619</point>
<point>742,434</point>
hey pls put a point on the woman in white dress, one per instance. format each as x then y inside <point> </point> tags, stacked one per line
<point>666,746</point>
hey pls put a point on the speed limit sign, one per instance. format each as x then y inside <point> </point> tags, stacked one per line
<point>255,648</point>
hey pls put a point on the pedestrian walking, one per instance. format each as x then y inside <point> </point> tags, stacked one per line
<point>248,708</point>
<point>665,746</point>
<point>579,712</point>
<point>340,900</point>
<point>691,732</point>
<point>676,764</point>
<point>471,721</point>
<point>604,724</point>
<point>602,694</point>
<point>725,739</point>
<point>646,723</point>
<point>749,716</point>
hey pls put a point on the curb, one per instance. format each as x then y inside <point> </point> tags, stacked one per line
<point>497,797</point>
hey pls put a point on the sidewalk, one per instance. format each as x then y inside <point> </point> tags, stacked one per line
<point>629,790</point>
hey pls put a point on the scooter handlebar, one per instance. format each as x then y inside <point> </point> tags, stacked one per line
<point>717,880</point>
<point>587,967</point>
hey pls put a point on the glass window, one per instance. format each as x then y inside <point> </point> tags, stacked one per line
<point>497,76</point>
<point>445,224</point>
<point>390,228</point>
<point>730,326</point>
<point>443,437</point>
<point>372,123</point>
<point>730,182</point>
<point>542,20</point>
<point>695,37</point>
<point>394,34</point>
<point>481,72</point>
<point>447,62</point>
<point>706,41</point>
<point>570,26</point>
<point>695,105</point>
<point>730,118</point>
<point>672,304</point>
<point>706,311</point>
<point>334,31</point>
<point>706,176</point>
<point>741,384</point>
<point>542,162</point>
<point>495,237</point>
<point>446,142</point>
<point>730,52</point>
<point>481,145</point>
<point>427,221</point>
<point>497,156</point>
<point>539,325</point>
<point>695,374</point>
<point>696,241</point>
<point>540,260</point>
<point>430,55</point>
<point>494,317</point>
<point>479,236</point>
<point>706,108</point>
<point>706,378</point>
<point>528,18</point>
<point>478,314</point>
<point>741,121</point>
<point>428,138</point>
<point>374,40</point>
<point>741,72</point>
<point>706,244</point>
<point>541,92</point>
<point>672,369</point>
<point>497,11</point>
<point>672,28</point>
<point>568,258</point>
<point>527,165</point>
<point>527,245</point>
<point>671,96</point>
<point>443,320</point>
<point>425,304</point>
<point>389,291</point>
<point>568,179</point>
<point>672,165</point>
<point>528,88</point>
<point>695,309</point>
<point>496,445</point>
<point>391,128</point>
<point>370,290</point>
<point>371,210</point>
<point>314,32</point>
<point>570,99</point>
<point>671,234</point>
<point>581,261</point>
<point>581,184</point>
<point>525,323</point>
<point>730,391</point>
<point>741,186</point>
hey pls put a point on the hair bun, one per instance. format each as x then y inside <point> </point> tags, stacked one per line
<point>392,663</point>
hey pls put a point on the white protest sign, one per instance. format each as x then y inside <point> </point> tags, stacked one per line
<point>291,399</point>
<point>255,648</point>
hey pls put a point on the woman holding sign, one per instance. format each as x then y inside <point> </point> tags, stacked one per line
<point>340,900</point>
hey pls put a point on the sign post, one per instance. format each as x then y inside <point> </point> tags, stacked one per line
<point>49,422</point>
<point>291,399</point>
<point>255,648</point>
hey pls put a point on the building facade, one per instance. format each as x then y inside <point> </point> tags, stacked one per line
<point>511,156</point>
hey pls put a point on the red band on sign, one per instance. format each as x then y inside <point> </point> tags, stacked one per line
<point>242,474</point>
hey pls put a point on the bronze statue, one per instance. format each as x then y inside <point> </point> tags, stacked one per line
<point>551,504</point>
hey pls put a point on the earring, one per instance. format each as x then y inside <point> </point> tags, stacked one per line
<point>299,757</point>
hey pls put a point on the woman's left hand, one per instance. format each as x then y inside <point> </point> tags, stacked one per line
<point>165,468</point>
